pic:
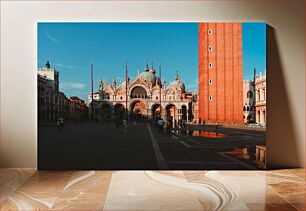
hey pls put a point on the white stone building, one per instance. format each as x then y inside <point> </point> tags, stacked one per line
<point>248,101</point>
<point>260,89</point>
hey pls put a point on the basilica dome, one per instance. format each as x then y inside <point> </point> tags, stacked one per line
<point>147,76</point>
<point>177,83</point>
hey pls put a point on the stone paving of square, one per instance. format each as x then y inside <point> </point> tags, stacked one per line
<point>91,145</point>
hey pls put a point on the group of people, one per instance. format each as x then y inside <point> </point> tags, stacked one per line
<point>160,123</point>
<point>121,120</point>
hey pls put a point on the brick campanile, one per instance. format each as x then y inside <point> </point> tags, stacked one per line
<point>220,72</point>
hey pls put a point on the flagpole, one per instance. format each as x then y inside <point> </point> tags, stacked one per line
<point>92,100</point>
<point>126,91</point>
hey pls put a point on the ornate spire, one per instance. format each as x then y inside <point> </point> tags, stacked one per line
<point>164,83</point>
<point>254,75</point>
<point>152,69</point>
<point>100,85</point>
<point>147,66</point>
<point>177,76</point>
<point>114,81</point>
<point>47,64</point>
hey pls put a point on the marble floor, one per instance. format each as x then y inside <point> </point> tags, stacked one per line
<point>28,189</point>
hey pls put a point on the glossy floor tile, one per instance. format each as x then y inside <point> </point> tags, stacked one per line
<point>28,189</point>
<point>12,179</point>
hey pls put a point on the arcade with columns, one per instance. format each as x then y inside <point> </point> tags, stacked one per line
<point>144,97</point>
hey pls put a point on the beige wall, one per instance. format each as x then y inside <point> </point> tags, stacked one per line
<point>286,64</point>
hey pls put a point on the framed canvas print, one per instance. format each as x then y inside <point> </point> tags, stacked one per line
<point>133,96</point>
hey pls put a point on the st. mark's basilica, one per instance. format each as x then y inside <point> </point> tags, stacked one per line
<point>144,97</point>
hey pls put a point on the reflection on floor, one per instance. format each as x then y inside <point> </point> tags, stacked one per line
<point>27,189</point>
<point>144,147</point>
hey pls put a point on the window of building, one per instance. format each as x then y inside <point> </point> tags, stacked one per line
<point>120,98</point>
<point>156,98</point>
<point>209,32</point>
<point>248,108</point>
<point>258,95</point>
<point>210,65</point>
<point>264,116</point>
<point>138,92</point>
<point>264,94</point>
<point>243,108</point>
<point>209,48</point>
<point>210,98</point>
<point>249,94</point>
<point>210,81</point>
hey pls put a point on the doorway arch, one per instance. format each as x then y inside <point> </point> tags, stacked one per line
<point>138,109</point>
<point>171,113</point>
<point>156,110</point>
<point>119,110</point>
<point>106,112</point>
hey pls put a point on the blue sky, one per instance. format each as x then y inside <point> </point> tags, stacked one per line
<point>71,47</point>
<point>253,48</point>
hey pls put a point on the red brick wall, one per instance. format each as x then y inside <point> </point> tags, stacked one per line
<point>225,73</point>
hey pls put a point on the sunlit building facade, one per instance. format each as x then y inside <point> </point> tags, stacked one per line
<point>248,101</point>
<point>146,96</point>
<point>260,89</point>
<point>220,73</point>
<point>52,103</point>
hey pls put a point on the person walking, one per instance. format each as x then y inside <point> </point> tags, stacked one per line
<point>124,122</point>
<point>168,127</point>
<point>61,123</point>
<point>160,123</point>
